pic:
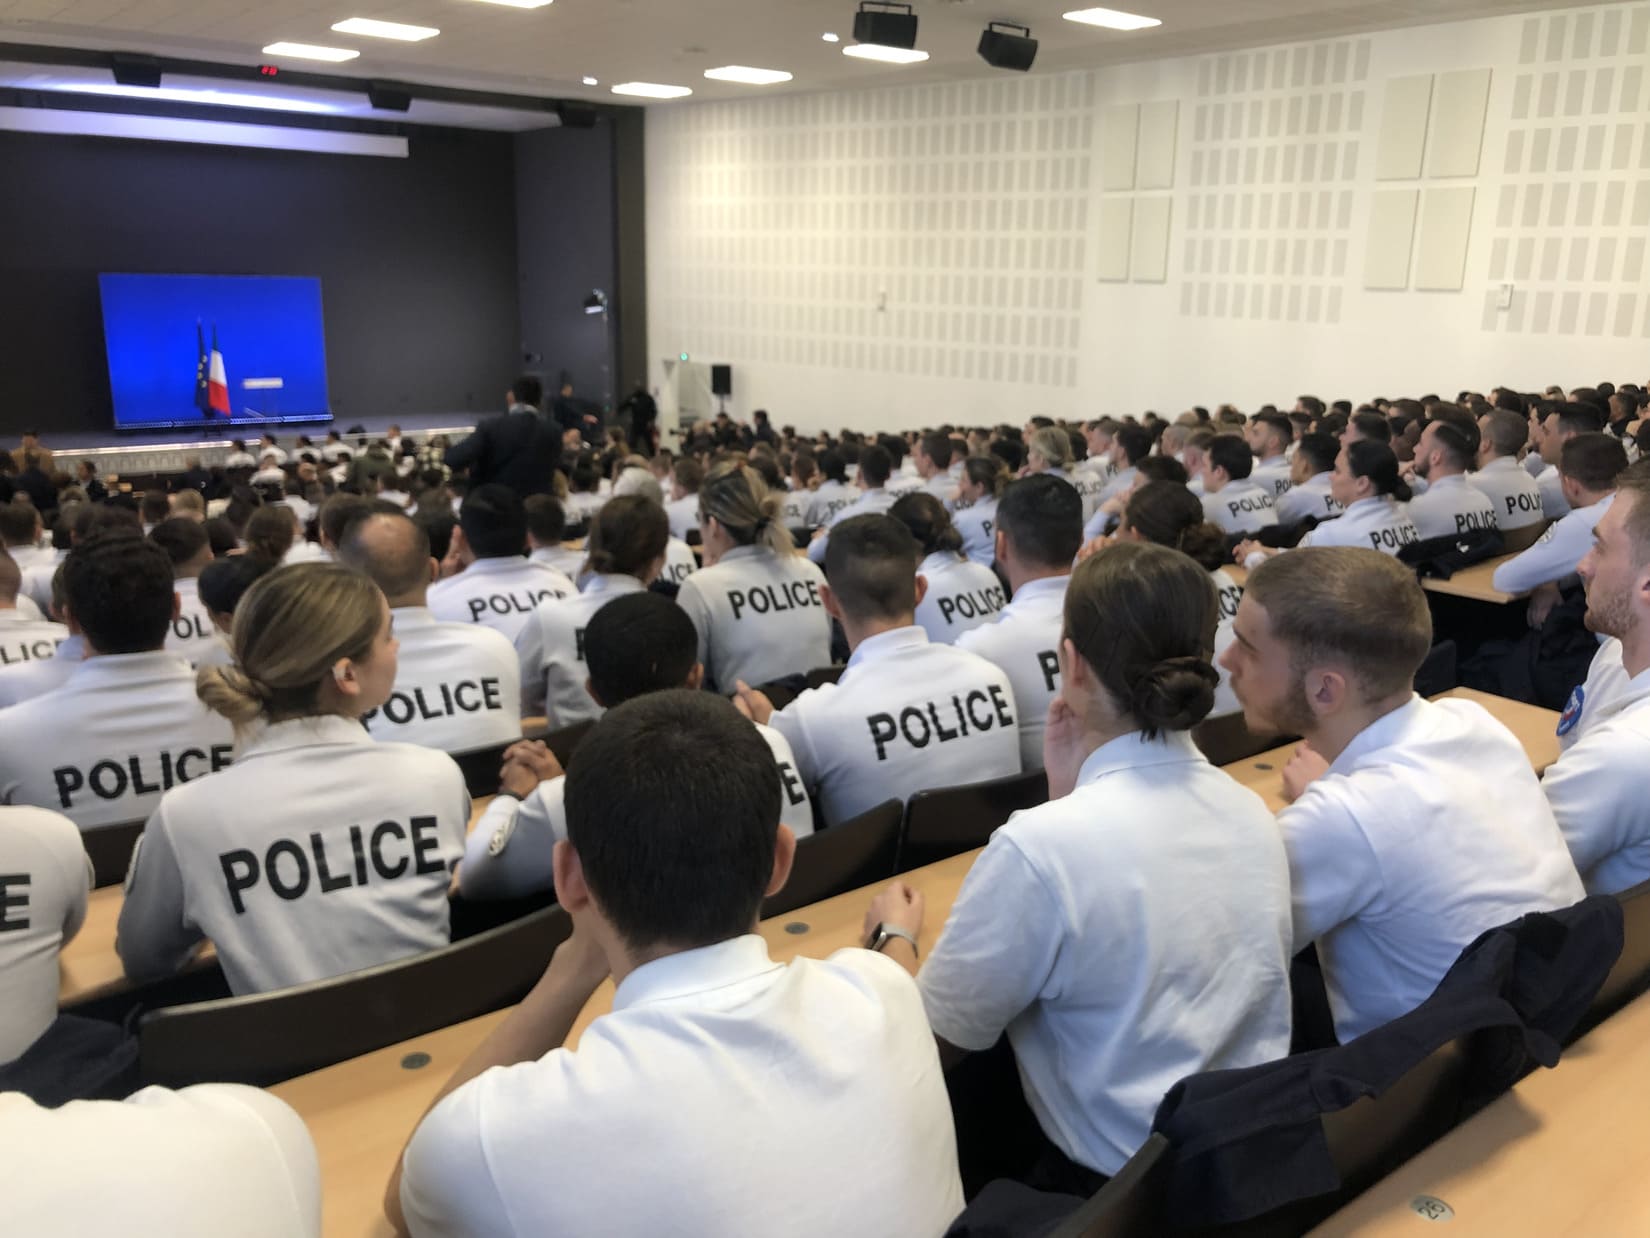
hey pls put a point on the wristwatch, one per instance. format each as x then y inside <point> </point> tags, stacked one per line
<point>884,933</point>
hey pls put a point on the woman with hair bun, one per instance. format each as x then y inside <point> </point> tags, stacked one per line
<point>1136,928</point>
<point>1375,502</point>
<point>319,851</point>
<point>980,486</point>
<point>960,595</point>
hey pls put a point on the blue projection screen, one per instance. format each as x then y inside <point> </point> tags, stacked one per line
<point>268,329</point>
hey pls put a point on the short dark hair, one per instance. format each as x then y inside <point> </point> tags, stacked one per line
<point>676,849</point>
<point>833,466</point>
<point>871,562</point>
<point>1593,460</point>
<point>1458,445</point>
<point>119,590</point>
<point>528,390</point>
<point>1231,453</point>
<point>1377,462</point>
<point>1507,431</point>
<point>1136,441</point>
<point>18,524</point>
<point>223,581</point>
<point>1010,451</point>
<point>546,518</point>
<point>636,644</point>
<point>1171,515</point>
<point>1042,518</point>
<point>1320,449</point>
<point>1579,418</point>
<point>181,538</point>
<point>1374,427</point>
<point>627,534</point>
<point>338,512</point>
<point>1163,468</point>
<point>937,447</point>
<point>1512,401</point>
<point>875,466</point>
<point>156,506</point>
<point>97,518</point>
<point>1279,422</point>
<point>494,522</point>
<point>929,522</point>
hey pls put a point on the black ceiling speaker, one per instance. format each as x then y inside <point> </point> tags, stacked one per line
<point>886,24</point>
<point>1002,50</point>
<point>388,96</point>
<point>130,70</point>
<point>576,115</point>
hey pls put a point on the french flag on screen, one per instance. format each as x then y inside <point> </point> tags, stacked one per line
<point>211,379</point>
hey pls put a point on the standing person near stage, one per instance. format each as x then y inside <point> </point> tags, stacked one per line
<point>520,450</point>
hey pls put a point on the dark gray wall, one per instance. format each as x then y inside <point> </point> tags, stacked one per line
<point>416,256</point>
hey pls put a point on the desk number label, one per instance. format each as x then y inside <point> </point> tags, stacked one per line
<point>1431,1208</point>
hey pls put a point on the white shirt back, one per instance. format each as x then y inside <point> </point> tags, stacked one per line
<point>44,879</point>
<point>1551,484</point>
<point>1451,506</point>
<point>869,503</point>
<point>24,640</point>
<point>103,747</point>
<point>679,562</point>
<point>1379,522</point>
<point>550,651</point>
<point>457,686</point>
<point>1556,555</point>
<point>1310,498</point>
<point>1228,593</point>
<point>759,617</point>
<point>319,852</point>
<point>1272,475</point>
<point>1024,641</point>
<point>568,562</point>
<point>1126,936</point>
<point>192,632</point>
<point>1511,491</point>
<point>906,715</point>
<point>499,593</point>
<point>961,596</point>
<point>683,514</point>
<point>1240,507</point>
<point>36,677</point>
<point>830,498</point>
<point>978,523</point>
<point>1427,830</point>
<point>829,1055</point>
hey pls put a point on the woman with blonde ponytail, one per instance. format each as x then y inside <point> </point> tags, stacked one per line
<point>319,851</point>
<point>756,603</point>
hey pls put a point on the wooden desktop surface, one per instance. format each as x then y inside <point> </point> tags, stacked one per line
<point>1561,1155</point>
<point>361,1112</point>
<point>1473,582</point>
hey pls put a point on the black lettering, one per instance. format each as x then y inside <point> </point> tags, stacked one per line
<point>237,882</point>
<point>358,848</point>
<point>736,599</point>
<point>139,787</point>
<point>379,833</point>
<point>425,713</point>
<point>986,525</point>
<point>99,778</point>
<point>222,755</point>
<point>69,780</point>
<point>761,601</point>
<point>977,697</point>
<point>492,696</point>
<point>905,717</point>
<point>939,727</point>
<point>947,609</point>
<point>880,736</point>
<point>329,883</point>
<point>9,901</point>
<point>794,795</point>
<point>478,607</point>
<point>458,696</point>
<point>399,708</point>
<point>1049,662</point>
<point>578,643</point>
<point>278,848</point>
<point>1005,715</point>
<point>425,843</point>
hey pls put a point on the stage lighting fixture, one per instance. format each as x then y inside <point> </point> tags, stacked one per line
<point>132,70</point>
<point>1003,50</point>
<point>885,23</point>
<point>596,302</point>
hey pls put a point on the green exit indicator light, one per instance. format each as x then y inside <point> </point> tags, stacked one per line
<point>682,356</point>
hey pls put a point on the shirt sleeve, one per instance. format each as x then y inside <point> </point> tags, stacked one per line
<point>996,954</point>
<point>154,938</point>
<point>447,1187</point>
<point>693,604</point>
<point>530,660</point>
<point>292,1169</point>
<point>1552,558</point>
<point>1593,800</point>
<point>1332,870</point>
<point>791,723</point>
<point>816,548</point>
<point>509,852</point>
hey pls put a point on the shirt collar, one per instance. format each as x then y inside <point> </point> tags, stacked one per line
<point>887,645</point>
<point>493,566</point>
<point>72,649</point>
<point>409,618</point>
<point>688,973</point>
<point>938,560</point>
<point>740,552</point>
<point>1458,479</point>
<point>1381,733</point>
<point>1501,464</point>
<point>12,615</point>
<point>1369,503</point>
<point>1323,479</point>
<point>1134,750</point>
<point>305,733</point>
<point>1272,462</point>
<point>611,582</point>
<point>187,586</point>
<point>1044,587</point>
<point>157,663</point>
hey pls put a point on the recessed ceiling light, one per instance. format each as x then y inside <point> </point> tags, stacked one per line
<point>747,75</point>
<point>309,51</point>
<point>1111,19</point>
<point>590,81</point>
<point>519,4</point>
<point>890,55</point>
<point>651,90</point>
<point>831,38</point>
<point>385,30</point>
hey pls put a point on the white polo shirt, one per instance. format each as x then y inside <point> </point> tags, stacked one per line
<point>1598,698</point>
<point>1513,493</point>
<point>1240,507</point>
<point>829,499</point>
<point>211,1160</point>
<point>833,1056</point>
<point>1228,593</point>
<point>906,715</point>
<point>1427,830</point>
<point>570,563</point>
<point>1554,557</point>
<point>679,562</point>
<point>44,879</point>
<point>103,746</point>
<point>961,596</point>
<point>1271,473</point>
<point>1119,955</point>
<point>1119,481</point>
<point>1093,490</point>
<point>1025,642</point>
<point>1551,484</point>
<point>683,514</point>
<point>1378,522</point>
<point>978,523</point>
<point>1310,498</point>
<point>499,593</point>
<point>870,503</point>
<point>319,852</point>
<point>37,677</point>
<point>550,651</point>
<point>759,616</point>
<point>1451,506</point>
<point>24,640</point>
<point>793,511</point>
<point>37,586</point>
<point>508,854</point>
<point>27,557</point>
<point>457,686</point>
<point>192,633</point>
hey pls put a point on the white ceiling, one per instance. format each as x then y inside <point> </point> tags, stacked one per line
<point>547,51</point>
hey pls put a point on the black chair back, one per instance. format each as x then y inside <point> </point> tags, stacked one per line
<point>1227,738</point>
<point>263,1038</point>
<point>1438,673</point>
<point>564,742</point>
<point>1630,976</point>
<point>841,858</point>
<point>950,820</point>
<point>481,766</point>
<point>1131,1204</point>
<point>822,675</point>
<point>110,848</point>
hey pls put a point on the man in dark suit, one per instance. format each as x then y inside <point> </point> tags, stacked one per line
<point>519,450</point>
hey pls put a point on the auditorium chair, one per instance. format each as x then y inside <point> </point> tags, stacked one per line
<point>263,1038</point>
<point>1227,738</point>
<point>947,821</point>
<point>481,765</point>
<point>110,848</point>
<point>820,676</point>
<point>844,857</point>
<point>1515,541</point>
<point>1438,672</point>
<point>1131,1204</point>
<point>563,742</point>
<point>1630,976</point>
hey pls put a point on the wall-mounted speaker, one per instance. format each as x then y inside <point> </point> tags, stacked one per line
<point>389,97</point>
<point>721,380</point>
<point>1003,50</point>
<point>576,115</point>
<point>888,27</point>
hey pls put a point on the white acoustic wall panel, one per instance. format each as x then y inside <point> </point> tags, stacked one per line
<point>1149,253</point>
<point>1403,128</point>
<point>1119,125</point>
<point>1154,161</point>
<point>1457,137</point>
<point>1446,223</point>
<point>1116,215</point>
<point>1391,232</point>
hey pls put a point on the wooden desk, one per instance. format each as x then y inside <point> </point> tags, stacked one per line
<point>1561,1154</point>
<point>1472,582</point>
<point>1536,728</point>
<point>360,1112</point>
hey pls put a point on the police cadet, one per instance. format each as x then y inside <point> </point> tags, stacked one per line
<point>320,851</point>
<point>44,879</point>
<point>20,536</point>
<point>756,604</point>
<point>683,507</point>
<point>1412,826</point>
<point>875,467</point>
<point>833,493</point>
<point>1552,428</point>
<point>1513,492</point>
<point>680,562</point>
<point>508,853</point>
<point>1270,436</point>
<point>222,584</point>
<point>23,639</point>
<point>126,725</point>
<point>498,586</point>
<point>190,550</point>
<point>961,595</point>
<point>1134,929</point>
<point>1589,466</point>
<point>1596,787</point>
<point>1130,445</point>
<point>546,522</point>
<point>1311,481</point>
<point>907,714</point>
<point>1230,498</point>
<point>933,462</point>
<point>1049,450</point>
<point>457,686</point>
<point>979,488</point>
<point>626,552</point>
<point>37,677</point>
<point>1039,528</point>
<point>1366,483</point>
<point>1451,504</point>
